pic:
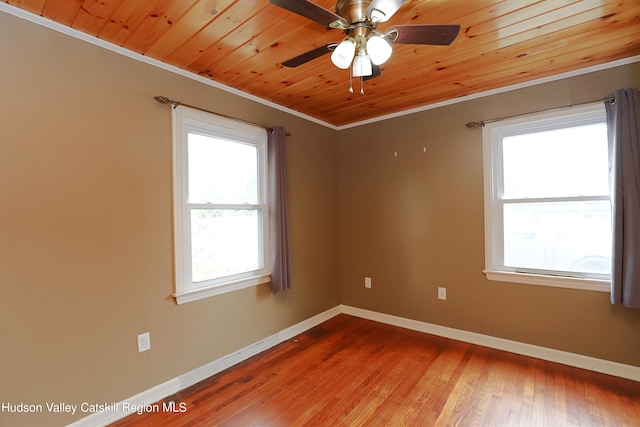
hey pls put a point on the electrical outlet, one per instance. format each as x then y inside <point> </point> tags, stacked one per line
<point>442,293</point>
<point>367,282</point>
<point>144,342</point>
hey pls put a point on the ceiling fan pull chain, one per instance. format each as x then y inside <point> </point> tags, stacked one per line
<point>361,86</point>
<point>350,80</point>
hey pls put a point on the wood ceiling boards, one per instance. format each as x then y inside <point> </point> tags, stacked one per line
<point>241,44</point>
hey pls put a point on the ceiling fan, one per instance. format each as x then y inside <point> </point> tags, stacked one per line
<point>364,48</point>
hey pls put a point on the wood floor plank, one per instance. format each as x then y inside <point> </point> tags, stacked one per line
<point>354,372</point>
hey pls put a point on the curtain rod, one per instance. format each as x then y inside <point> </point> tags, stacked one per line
<point>165,100</point>
<point>473,125</point>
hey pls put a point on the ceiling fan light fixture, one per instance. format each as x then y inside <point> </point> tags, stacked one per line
<point>343,54</point>
<point>378,49</point>
<point>362,66</point>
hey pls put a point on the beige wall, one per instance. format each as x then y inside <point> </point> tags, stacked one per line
<point>85,227</point>
<point>415,222</point>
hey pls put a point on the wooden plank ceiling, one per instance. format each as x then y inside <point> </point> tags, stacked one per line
<point>242,43</point>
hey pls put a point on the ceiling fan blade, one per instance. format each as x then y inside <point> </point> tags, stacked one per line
<point>309,10</point>
<point>310,55</point>
<point>375,72</point>
<point>382,10</point>
<point>424,34</point>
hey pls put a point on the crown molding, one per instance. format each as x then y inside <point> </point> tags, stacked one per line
<point>72,32</point>
<point>553,78</point>
<point>37,19</point>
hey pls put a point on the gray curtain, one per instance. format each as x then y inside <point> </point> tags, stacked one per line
<point>623,125</point>
<point>278,211</point>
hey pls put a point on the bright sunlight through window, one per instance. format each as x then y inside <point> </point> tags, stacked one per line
<point>220,205</point>
<point>547,204</point>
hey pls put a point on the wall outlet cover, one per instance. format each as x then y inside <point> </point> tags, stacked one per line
<point>144,342</point>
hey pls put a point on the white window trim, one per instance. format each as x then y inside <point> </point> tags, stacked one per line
<point>492,270</point>
<point>184,120</point>
<point>547,280</point>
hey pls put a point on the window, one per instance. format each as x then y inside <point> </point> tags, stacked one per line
<point>547,204</point>
<point>220,211</point>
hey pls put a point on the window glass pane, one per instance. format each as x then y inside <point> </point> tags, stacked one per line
<point>222,171</point>
<point>561,162</point>
<point>568,236</point>
<point>224,242</point>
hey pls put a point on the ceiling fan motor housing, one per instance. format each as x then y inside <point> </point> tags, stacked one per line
<point>353,11</point>
<point>359,25</point>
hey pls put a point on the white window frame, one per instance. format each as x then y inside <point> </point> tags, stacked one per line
<point>492,164</point>
<point>188,120</point>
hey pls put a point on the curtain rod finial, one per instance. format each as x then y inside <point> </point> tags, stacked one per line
<point>473,125</point>
<point>162,99</point>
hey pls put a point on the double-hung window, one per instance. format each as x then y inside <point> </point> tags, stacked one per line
<point>220,210</point>
<point>547,202</point>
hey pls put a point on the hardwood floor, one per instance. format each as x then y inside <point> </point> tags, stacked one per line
<point>354,372</point>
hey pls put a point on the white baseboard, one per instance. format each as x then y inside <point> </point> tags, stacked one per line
<point>122,409</point>
<point>551,355</point>
<point>119,410</point>
<point>305,325</point>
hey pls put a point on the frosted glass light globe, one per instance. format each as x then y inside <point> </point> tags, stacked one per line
<point>343,54</point>
<point>378,49</point>
<point>362,66</point>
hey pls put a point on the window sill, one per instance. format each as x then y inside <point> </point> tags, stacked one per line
<point>195,294</point>
<point>553,281</point>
